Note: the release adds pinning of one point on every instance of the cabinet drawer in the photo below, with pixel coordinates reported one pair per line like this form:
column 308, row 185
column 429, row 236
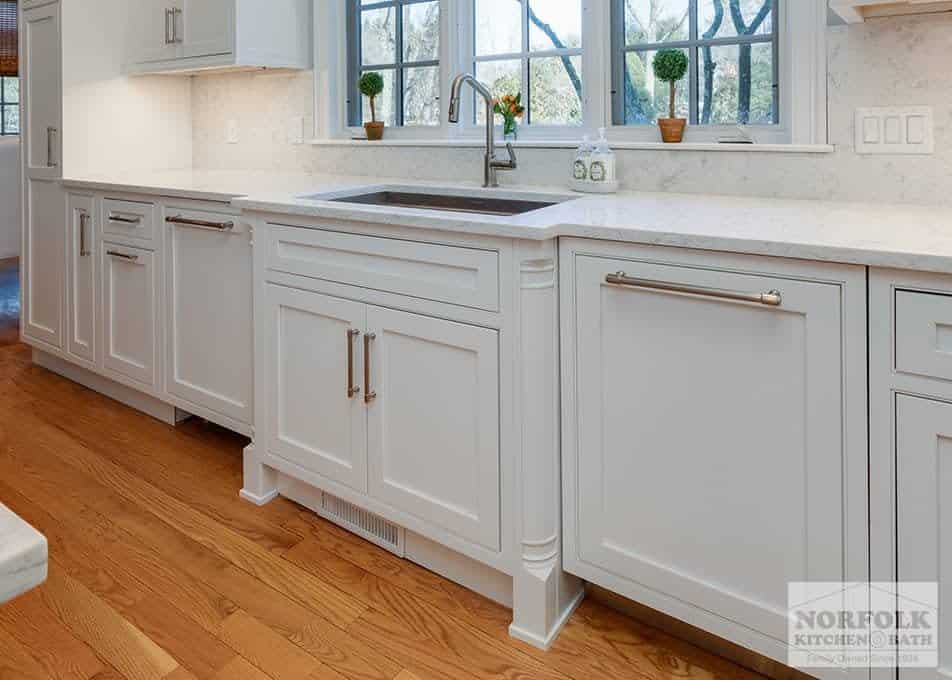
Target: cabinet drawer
column 924, row 334
column 461, row 276
column 129, row 218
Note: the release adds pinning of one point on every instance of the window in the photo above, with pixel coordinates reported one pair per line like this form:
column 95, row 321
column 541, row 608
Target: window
column 9, row 106
column 532, row 47
column 400, row 39
column 732, row 46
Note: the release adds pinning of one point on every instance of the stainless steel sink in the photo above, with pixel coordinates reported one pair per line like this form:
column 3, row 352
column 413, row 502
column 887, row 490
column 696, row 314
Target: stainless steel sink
column 444, row 200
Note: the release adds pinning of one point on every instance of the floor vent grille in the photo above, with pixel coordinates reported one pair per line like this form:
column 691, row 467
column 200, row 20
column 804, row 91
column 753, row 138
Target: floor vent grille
column 366, row 524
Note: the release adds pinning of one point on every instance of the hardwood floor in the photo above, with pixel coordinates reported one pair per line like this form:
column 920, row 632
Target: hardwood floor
column 159, row 571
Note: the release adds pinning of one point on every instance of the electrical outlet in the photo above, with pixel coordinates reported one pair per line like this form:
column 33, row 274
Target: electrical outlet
column 231, row 131
column 895, row 130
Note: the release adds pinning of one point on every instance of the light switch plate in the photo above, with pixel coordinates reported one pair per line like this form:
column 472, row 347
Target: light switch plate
column 895, row 130
column 231, row 131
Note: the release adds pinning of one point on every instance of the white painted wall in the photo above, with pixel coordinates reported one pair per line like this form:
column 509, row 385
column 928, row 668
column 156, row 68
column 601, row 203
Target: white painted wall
column 113, row 123
column 9, row 197
column 886, row 62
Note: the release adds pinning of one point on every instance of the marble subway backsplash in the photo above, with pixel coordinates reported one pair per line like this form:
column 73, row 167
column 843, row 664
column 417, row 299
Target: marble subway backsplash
column 888, row 62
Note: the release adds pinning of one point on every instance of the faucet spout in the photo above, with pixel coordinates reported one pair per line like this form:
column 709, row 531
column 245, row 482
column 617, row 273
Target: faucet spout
column 491, row 165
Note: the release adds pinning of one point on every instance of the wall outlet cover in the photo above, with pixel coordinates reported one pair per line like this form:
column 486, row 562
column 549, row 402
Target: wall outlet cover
column 895, row 130
column 231, row 131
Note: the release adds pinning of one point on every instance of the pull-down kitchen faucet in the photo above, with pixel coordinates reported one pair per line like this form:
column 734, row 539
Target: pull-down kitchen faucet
column 491, row 164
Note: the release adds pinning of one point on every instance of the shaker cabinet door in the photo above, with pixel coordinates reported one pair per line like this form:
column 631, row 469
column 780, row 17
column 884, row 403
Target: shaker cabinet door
column 81, row 279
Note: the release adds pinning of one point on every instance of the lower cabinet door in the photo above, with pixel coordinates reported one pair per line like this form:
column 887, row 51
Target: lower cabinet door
column 316, row 416
column 209, row 331
column 433, row 426
column 130, row 289
column 81, row 283
column 923, row 514
column 44, row 262
column 707, row 464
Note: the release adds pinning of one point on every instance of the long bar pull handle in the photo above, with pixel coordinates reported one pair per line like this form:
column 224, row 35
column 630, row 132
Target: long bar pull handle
column 124, row 220
column 771, row 298
column 369, row 395
column 83, row 220
column 221, row 226
column 352, row 389
column 176, row 12
column 122, row 256
column 169, row 26
column 50, row 135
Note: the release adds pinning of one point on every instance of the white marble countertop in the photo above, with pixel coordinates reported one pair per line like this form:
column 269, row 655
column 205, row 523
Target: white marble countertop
column 887, row 235
column 23, row 556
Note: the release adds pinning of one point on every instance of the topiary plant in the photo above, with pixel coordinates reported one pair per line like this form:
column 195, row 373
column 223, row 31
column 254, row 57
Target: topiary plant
column 670, row 67
column 371, row 85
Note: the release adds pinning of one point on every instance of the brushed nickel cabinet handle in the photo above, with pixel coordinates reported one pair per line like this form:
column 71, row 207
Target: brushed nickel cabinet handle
column 771, row 298
column 176, row 38
column 169, row 26
column 369, row 395
column 122, row 256
column 352, row 389
column 83, row 220
column 50, row 134
column 113, row 217
column 220, row 226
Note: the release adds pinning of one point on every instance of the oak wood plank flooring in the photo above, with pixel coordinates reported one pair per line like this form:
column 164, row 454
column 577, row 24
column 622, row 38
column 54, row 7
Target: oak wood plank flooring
column 159, row 571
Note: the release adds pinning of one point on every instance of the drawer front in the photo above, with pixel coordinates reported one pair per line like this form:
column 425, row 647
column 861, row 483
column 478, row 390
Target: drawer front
column 130, row 296
column 463, row 276
column 924, row 334
column 129, row 218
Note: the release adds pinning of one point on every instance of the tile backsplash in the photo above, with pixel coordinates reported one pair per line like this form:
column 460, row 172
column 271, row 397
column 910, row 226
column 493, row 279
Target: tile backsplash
column 887, row 62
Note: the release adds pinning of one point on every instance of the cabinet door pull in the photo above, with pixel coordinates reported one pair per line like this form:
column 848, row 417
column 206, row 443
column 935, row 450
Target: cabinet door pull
column 83, row 220
column 771, row 298
column 176, row 38
column 123, row 256
column 220, row 226
column 50, row 135
column 369, row 395
column 124, row 220
column 352, row 389
column 169, row 26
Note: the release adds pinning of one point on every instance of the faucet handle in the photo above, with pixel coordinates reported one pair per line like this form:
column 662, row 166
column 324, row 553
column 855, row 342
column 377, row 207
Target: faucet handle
column 511, row 164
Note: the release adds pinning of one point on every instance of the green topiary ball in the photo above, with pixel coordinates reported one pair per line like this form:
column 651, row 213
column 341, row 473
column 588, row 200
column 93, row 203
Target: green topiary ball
column 370, row 84
column 670, row 65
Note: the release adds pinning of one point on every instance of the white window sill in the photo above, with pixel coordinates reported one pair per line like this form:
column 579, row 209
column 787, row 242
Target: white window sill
column 570, row 144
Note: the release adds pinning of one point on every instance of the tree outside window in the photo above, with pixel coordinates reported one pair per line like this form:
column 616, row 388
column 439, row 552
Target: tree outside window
column 9, row 105
column 732, row 48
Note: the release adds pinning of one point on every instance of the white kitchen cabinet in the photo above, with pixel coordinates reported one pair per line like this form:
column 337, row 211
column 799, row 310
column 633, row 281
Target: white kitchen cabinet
column 209, row 334
column 130, row 307
column 924, row 521
column 316, row 413
column 82, row 279
column 400, row 406
column 44, row 262
column 41, row 91
column 857, row 11
column 714, row 432
column 191, row 36
column 433, row 435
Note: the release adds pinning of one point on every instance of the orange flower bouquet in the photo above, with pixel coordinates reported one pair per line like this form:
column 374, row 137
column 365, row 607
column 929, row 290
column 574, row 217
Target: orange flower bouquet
column 510, row 107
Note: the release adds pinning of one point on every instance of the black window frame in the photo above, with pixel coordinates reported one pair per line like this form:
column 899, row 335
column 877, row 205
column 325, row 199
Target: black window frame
column 5, row 106
column 692, row 45
column 355, row 67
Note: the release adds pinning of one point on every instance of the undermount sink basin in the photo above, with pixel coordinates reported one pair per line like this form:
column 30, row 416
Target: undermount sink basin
column 444, row 200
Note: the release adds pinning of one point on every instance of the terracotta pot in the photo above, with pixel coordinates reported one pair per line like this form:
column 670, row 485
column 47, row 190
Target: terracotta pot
column 672, row 129
column 374, row 131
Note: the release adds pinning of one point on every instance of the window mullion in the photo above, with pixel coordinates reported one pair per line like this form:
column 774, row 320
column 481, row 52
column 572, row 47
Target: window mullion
column 693, row 55
column 398, row 74
column 526, row 90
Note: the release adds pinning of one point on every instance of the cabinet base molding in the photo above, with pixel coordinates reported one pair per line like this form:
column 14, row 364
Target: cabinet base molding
column 439, row 559
column 125, row 395
column 697, row 637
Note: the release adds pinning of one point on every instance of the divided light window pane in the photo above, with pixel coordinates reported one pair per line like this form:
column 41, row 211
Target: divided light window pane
column 533, row 48
column 400, row 39
column 732, row 48
column 9, row 105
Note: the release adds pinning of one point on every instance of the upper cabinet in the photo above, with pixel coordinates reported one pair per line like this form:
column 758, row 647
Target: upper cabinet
column 190, row 36
column 41, row 91
column 857, row 11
